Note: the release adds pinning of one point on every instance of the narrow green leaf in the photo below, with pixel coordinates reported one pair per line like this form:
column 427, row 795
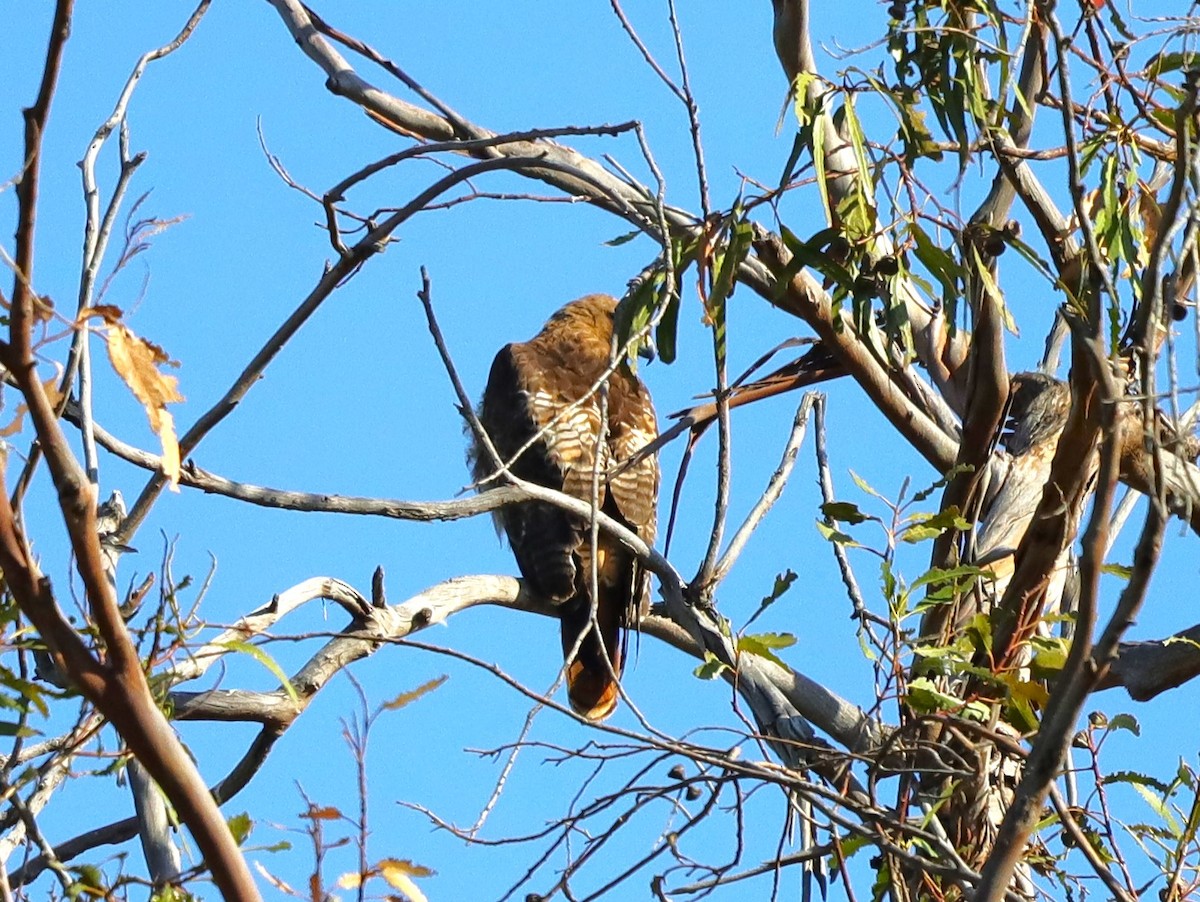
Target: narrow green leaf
column 865, row 486
column 266, row 661
column 666, row 334
column 818, row 155
column 623, row 239
column 964, row 574
column 1160, row 807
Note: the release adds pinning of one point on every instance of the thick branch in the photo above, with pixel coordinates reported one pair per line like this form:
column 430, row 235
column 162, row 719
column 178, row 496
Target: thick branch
column 1146, row 669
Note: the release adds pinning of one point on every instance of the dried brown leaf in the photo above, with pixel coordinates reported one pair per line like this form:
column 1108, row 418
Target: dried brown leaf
column 53, row 395
column 137, row 362
column 407, row 698
column 275, row 881
column 110, row 313
column 327, row 813
column 352, row 880
column 399, row 873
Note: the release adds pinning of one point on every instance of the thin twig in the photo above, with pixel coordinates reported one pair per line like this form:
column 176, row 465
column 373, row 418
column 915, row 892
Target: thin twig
column 772, row 492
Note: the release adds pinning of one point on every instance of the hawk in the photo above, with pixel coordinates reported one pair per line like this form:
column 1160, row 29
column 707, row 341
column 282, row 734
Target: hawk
column 542, row 406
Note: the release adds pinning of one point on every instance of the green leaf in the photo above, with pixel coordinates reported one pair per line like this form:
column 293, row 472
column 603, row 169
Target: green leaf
column 34, row 694
column 993, row 292
column 711, row 668
column 923, row 696
column 762, row 645
column 814, row 253
column 1125, row 722
column 888, row 580
column 623, row 239
column 1135, row 778
column 171, row 893
column 635, row 312
column 15, row 729
column 789, row 168
column 979, row 632
column 240, row 826
column 950, row 474
column 854, row 842
column 915, row 534
column 89, row 883
column 1049, row 655
column 818, row 155
column 1160, row 807
column 266, row 661
column 1162, row 63
column 770, row 640
column 939, row 263
column 836, row 535
column 1121, row 571
column 962, row 576
column 783, row 582
column 665, row 336
column 1020, row 713
column 926, row 527
column 741, row 237
column 865, row 486
column 844, row 512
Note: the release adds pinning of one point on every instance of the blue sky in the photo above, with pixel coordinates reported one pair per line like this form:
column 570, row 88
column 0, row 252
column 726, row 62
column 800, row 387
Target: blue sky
column 359, row 403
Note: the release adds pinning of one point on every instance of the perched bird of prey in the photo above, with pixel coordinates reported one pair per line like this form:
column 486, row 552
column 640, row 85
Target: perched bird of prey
column 545, row 416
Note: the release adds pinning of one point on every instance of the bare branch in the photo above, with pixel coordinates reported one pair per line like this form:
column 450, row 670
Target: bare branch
column 770, row 494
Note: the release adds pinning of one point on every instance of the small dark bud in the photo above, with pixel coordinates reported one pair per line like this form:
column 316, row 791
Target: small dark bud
column 887, row 266
column 839, row 248
column 693, row 793
column 897, row 10
column 677, row 772
column 995, row 245
column 1178, row 312
column 864, row 286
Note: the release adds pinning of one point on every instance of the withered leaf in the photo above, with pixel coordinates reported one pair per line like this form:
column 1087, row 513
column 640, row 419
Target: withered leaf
column 137, row 362
column 53, row 396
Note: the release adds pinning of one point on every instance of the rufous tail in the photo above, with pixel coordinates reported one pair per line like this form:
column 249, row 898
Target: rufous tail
column 591, row 684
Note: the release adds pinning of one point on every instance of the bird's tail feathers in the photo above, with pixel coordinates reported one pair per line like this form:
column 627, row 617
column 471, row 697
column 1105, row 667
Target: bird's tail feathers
column 593, row 669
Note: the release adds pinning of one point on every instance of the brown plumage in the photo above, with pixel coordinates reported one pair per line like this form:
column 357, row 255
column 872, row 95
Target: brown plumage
column 535, row 386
